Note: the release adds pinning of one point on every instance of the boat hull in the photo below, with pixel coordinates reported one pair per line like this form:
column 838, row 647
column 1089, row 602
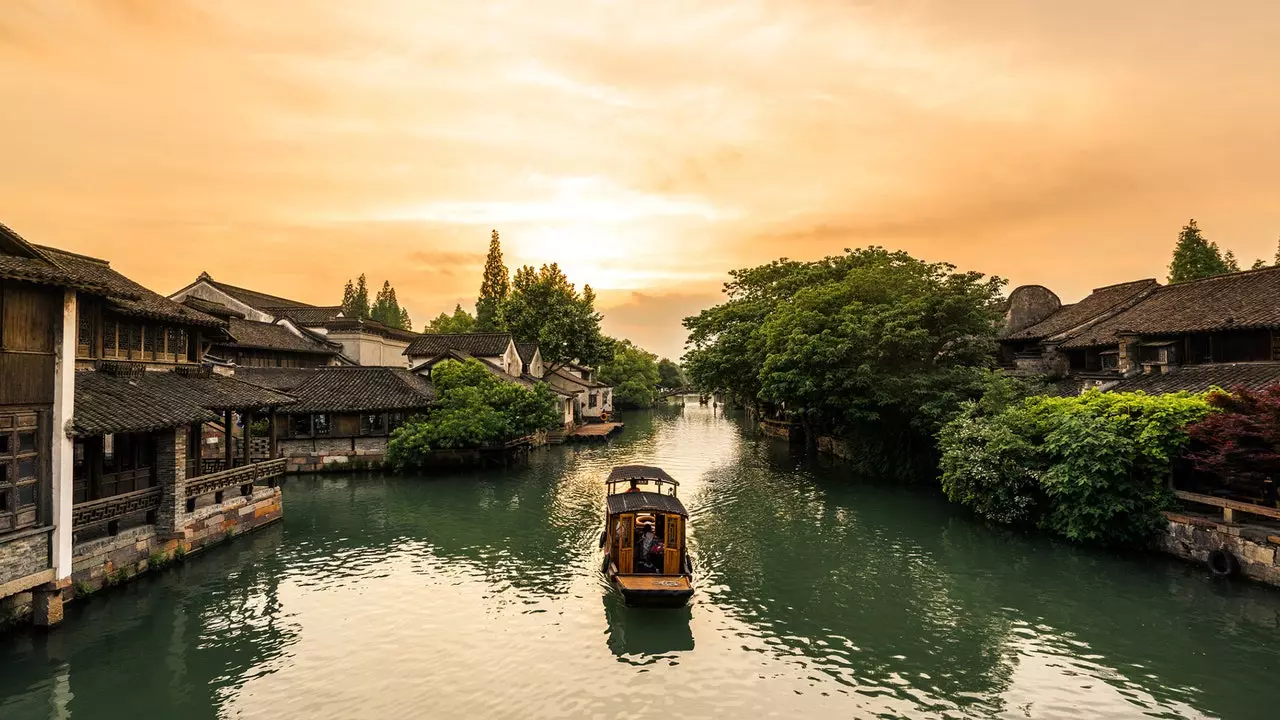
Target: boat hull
column 670, row 591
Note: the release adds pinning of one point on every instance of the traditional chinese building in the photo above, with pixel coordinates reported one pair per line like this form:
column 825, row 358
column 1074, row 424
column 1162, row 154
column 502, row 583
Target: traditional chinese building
column 101, row 396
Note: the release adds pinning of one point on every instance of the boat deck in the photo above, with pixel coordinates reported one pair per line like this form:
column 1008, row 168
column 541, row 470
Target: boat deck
column 653, row 583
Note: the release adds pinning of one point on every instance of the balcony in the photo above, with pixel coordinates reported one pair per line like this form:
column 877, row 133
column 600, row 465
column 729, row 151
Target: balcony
column 243, row 477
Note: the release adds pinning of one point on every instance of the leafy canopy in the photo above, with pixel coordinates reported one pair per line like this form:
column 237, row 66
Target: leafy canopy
column 460, row 321
column 473, row 408
column 633, row 374
column 873, row 344
column 1092, row 468
column 1194, row 257
column 1239, row 444
column 670, row 375
column 494, row 289
column 544, row 307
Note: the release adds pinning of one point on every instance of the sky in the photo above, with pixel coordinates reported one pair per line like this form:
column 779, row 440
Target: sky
column 647, row 147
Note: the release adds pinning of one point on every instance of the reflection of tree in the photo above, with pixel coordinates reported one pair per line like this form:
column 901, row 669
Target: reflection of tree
column 841, row 578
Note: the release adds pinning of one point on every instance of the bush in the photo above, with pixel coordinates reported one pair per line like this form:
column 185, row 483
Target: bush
column 1239, row 446
column 473, row 408
column 1091, row 468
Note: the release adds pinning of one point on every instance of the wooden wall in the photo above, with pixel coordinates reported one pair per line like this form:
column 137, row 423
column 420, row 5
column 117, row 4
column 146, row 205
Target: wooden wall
column 30, row 316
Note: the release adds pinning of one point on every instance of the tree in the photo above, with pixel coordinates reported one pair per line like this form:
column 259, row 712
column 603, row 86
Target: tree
column 355, row 299
column 1195, row 258
column 544, row 307
column 872, row 345
column 460, row 321
column 1277, row 252
column 670, row 376
column 494, row 289
column 1239, row 445
column 632, row 372
column 473, row 408
column 1229, row 259
column 1258, row 264
column 386, row 309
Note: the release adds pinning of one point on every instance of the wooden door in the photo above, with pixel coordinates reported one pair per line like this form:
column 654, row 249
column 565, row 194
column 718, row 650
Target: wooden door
column 626, row 542
column 671, row 546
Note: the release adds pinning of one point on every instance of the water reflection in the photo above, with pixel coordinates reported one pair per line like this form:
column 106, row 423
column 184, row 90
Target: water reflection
column 819, row 594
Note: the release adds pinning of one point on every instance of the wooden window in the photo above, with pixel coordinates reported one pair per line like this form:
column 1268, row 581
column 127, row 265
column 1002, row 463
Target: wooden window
column 177, row 344
column 149, row 337
column 20, row 465
column 84, row 331
column 373, row 424
column 300, row 425
column 591, row 400
column 130, row 340
column 110, row 338
column 1109, row 360
column 320, row 424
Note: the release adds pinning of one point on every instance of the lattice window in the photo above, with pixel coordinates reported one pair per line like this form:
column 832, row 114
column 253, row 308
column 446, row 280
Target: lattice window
column 109, row 340
column 149, row 337
column 130, row 336
column 84, row 331
column 20, row 444
column 178, row 343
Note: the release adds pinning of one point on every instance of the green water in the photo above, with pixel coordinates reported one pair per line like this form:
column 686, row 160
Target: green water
column 819, row 595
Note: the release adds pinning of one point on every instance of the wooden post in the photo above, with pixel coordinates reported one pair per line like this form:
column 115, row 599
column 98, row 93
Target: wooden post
column 227, row 454
column 247, row 417
column 272, row 443
column 1228, row 515
column 93, row 448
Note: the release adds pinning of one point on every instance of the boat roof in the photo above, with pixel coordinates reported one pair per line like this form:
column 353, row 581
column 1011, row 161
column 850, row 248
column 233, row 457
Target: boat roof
column 642, row 501
column 622, row 473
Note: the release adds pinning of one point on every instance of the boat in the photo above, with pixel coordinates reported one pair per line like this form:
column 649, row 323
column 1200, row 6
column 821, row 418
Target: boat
column 645, row 556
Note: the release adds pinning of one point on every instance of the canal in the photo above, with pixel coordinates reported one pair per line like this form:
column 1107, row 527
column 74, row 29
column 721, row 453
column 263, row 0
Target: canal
column 820, row 595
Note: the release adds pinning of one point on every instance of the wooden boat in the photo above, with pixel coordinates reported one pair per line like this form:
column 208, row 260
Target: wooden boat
column 645, row 556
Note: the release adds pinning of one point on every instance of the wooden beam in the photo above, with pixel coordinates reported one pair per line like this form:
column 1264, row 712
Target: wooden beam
column 1260, row 510
column 247, row 417
column 272, row 442
column 227, row 454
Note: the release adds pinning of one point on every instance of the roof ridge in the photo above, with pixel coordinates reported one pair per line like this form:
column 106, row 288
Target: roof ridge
column 1258, row 271
column 1128, row 282
column 60, row 251
column 295, row 303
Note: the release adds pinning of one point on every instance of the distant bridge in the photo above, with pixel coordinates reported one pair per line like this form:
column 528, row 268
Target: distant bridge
column 678, row 391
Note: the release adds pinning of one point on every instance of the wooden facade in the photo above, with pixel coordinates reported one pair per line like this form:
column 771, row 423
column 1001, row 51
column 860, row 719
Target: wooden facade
column 105, row 335
column 30, row 315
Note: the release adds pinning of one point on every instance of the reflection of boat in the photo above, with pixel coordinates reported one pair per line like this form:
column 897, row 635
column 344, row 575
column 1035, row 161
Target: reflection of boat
column 643, row 637
column 643, row 539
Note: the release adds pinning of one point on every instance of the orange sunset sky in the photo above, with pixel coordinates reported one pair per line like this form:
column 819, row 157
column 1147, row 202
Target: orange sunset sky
column 647, row 147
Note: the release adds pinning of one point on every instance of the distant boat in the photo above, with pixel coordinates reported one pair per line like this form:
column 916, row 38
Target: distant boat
column 645, row 556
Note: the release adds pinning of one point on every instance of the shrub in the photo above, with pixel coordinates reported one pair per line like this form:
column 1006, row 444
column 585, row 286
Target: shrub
column 1091, row 468
column 1240, row 444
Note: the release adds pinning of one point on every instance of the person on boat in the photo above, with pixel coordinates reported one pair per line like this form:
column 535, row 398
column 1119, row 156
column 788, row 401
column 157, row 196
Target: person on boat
column 635, row 487
column 650, row 546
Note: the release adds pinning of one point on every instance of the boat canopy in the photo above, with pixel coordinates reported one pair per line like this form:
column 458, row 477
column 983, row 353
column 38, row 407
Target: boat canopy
column 624, row 473
column 645, row 502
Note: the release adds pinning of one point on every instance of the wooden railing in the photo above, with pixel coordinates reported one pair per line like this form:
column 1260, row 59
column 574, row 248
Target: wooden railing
column 244, row 477
column 116, row 507
column 1229, row 507
column 209, row 466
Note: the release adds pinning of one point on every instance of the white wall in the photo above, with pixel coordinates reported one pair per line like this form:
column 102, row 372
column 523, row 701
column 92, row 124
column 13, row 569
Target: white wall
column 372, row 350
column 205, row 291
column 64, row 400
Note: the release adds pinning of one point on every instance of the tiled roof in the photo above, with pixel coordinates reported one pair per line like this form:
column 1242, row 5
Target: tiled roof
column 126, row 296
column 211, row 308
column 1199, row 378
column 362, row 388
column 478, row 344
column 284, row 379
column 562, row 373
column 253, row 298
column 1099, row 303
column 527, row 351
column 305, row 315
column 1247, row 300
column 344, row 324
column 20, row 260
column 134, row 400
column 269, row 336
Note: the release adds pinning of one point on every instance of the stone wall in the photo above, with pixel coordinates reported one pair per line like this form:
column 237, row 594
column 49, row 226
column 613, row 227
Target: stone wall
column 781, row 429
column 835, row 447
column 319, row 455
column 24, row 561
column 1194, row 537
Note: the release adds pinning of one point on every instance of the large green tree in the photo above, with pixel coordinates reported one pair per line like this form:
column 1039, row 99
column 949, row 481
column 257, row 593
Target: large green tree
column 544, row 307
column 386, row 309
column 1194, row 257
column 460, row 321
column 873, row 345
column 670, row 376
column 494, row 289
column 633, row 374
column 355, row 299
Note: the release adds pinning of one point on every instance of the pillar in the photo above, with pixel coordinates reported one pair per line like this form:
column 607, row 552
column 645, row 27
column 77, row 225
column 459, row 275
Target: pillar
column 62, row 450
column 247, row 417
column 46, row 603
column 171, row 474
column 227, row 454
column 273, row 442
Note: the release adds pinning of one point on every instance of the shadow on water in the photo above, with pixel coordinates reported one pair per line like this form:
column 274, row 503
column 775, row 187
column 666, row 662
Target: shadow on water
column 643, row 636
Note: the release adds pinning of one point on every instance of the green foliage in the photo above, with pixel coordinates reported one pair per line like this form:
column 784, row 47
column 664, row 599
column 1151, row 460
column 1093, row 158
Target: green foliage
column 460, row 321
column 670, row 375
column 83, row 589
column 355, row 299
column 1091, row 468
column 386, row 309
column 874, row 345
column 494, row 289
column 1258, row 264
column 544, row 307
column 474, row 408
column 1194, row 257
column 633, row 374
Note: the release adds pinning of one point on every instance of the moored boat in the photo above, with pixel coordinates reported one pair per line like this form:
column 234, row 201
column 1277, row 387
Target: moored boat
column 645, row 556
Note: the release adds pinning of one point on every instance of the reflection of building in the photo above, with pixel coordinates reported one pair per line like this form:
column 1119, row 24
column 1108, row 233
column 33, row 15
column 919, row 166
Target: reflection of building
column 1223, row 331
column 360, row 342
column 101, row 395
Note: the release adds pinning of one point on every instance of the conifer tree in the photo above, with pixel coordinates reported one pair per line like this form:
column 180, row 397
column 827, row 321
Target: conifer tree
column 1278, row 252
column 355, row 299
column 1195, row 258
column 494, row 289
